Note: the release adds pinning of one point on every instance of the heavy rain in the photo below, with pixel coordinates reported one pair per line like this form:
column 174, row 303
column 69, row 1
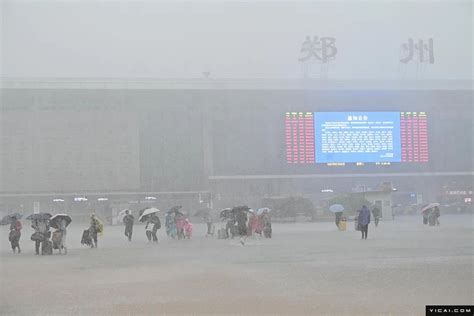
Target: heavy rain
column 236, row 157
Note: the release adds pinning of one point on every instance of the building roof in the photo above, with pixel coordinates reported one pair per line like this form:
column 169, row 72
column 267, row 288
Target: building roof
column 231, row 84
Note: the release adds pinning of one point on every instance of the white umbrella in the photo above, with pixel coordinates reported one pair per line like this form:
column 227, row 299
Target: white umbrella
column 429, row 206
column 336, row 208
column 149, row 211
column 263, row 210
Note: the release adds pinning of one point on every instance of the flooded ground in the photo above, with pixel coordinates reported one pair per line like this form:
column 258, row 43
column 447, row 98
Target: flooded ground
column 307, row 268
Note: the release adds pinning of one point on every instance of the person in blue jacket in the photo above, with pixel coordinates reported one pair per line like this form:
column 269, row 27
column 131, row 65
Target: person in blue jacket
column 364, row 221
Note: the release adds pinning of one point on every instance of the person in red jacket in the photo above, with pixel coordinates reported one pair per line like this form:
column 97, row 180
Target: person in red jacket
column 15, row 234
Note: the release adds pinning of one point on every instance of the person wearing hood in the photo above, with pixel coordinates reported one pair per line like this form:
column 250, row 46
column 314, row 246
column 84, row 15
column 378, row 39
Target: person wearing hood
column 364, row 221
column 95, row 228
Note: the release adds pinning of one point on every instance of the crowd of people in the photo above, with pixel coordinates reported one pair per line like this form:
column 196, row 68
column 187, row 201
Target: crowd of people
column 45, row 240
column 243, row 222
column 240, row 221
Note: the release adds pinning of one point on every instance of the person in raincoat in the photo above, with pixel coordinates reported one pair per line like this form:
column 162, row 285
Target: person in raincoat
column 128, row 221
column 170, row 226
column 364, row 221
column 180, row 222
column 188, row 228
column 253, row 223
column 15, row 234
column 95, row 227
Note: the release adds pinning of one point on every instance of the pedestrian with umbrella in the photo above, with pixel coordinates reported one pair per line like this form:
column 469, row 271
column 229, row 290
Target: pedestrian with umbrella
column 60, row 222
column 152, row 223
column 128, row 221
column 430, row 213
column 40, row 224
column 241, row 219
column 15, row 230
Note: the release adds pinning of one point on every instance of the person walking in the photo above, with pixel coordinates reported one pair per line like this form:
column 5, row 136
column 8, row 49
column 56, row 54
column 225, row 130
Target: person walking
column 436, row 214
column 156, row 225
column 241, row 218
column 95, row 228
column 364, row 221
column 41, row 228
column 208, row 220
column 128, row 221
column 62, row 224
column 338, row 218
column 376, row 214
column 15, row 234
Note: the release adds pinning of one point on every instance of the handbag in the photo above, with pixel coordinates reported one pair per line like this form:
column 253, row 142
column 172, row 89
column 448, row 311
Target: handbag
column 37, row 237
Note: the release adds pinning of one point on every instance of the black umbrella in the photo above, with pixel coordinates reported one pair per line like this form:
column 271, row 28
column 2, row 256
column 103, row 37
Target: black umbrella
column 39, row 217
column 54, row 221
column 242, row 208
column 226, row 213
column 7, row 220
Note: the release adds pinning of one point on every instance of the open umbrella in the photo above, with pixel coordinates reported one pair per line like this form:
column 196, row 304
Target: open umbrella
column 429, row 206
column 7, row 220
column 39, row 216
column 241, row 208
column 262, row 210
column 54, row 221
column 336, row 208
column 226, row 213
column 147, row 212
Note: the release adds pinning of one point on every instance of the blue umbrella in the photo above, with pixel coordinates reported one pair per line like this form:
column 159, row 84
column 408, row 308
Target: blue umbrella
column 336, row 208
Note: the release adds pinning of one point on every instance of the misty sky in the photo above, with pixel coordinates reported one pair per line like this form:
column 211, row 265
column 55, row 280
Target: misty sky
column 231, row 40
